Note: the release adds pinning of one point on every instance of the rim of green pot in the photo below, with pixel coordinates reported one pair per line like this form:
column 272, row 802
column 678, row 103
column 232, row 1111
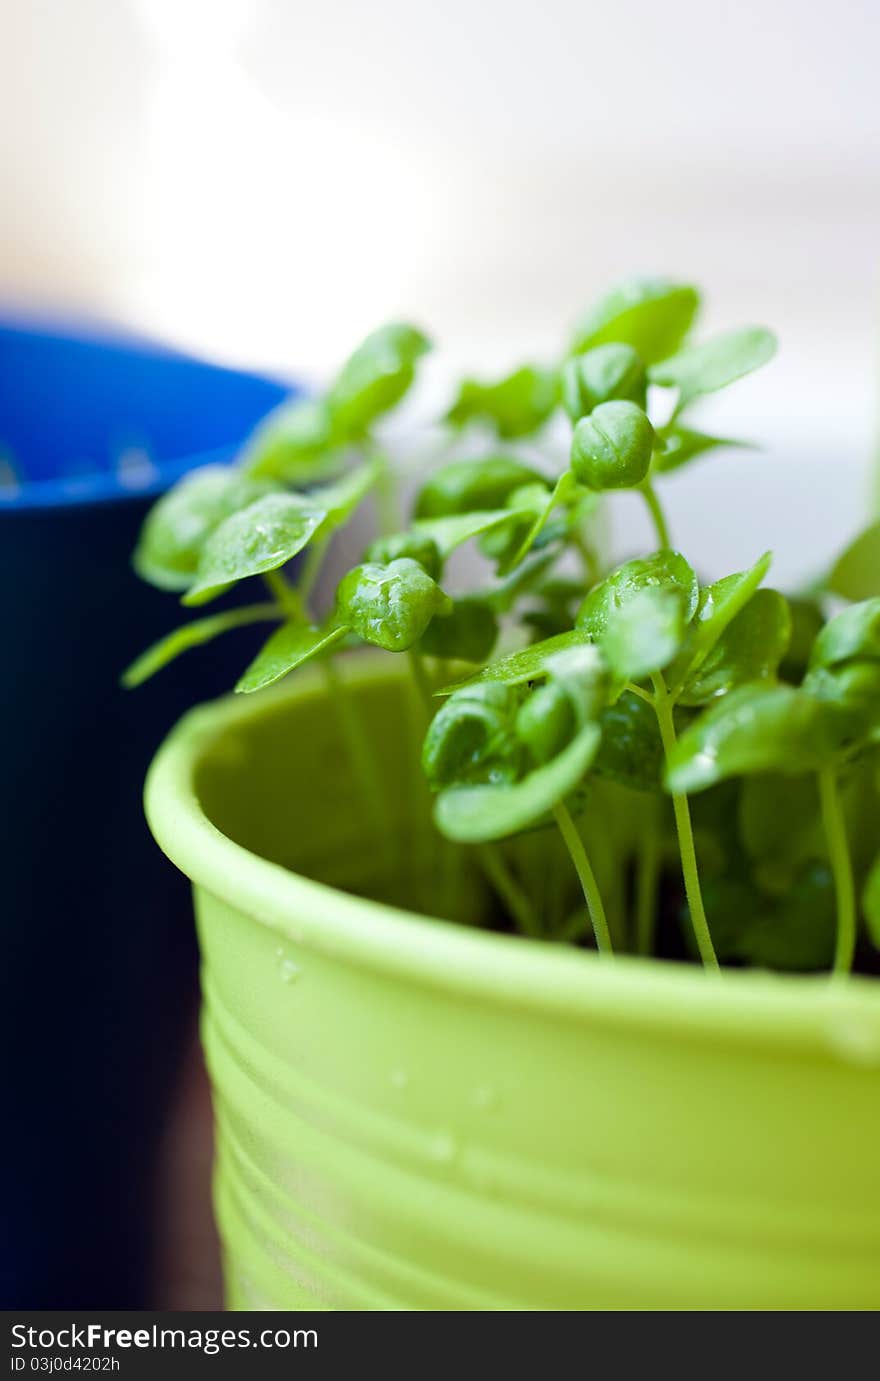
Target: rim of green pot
column 840, row 1016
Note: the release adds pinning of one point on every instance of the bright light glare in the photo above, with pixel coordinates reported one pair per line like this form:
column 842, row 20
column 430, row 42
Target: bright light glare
column 257, row 227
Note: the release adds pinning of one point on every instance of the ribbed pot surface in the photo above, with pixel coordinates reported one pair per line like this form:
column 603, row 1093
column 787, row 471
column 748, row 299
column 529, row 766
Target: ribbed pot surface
column 417, row 1115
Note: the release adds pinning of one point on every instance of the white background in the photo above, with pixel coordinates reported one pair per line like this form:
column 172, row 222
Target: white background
column 263, row 180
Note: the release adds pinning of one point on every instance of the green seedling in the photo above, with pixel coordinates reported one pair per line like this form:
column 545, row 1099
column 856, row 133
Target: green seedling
column 714, row 746
column 517, row 405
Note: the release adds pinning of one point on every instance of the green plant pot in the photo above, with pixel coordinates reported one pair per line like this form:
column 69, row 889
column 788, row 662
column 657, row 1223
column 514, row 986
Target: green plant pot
column 419, row 1115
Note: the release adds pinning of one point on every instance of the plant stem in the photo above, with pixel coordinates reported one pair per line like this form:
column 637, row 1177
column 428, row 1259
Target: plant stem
column 834, row 826
column 421, row 680
column 657, row 515
column 575, row 846
column 647, row 878
column 495, row 867
column 681, row 809
column 637, row 690
column 311, row 569
column 285, row 594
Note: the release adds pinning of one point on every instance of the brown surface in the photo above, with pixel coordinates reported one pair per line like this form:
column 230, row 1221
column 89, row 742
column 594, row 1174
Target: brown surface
column 188, row 1269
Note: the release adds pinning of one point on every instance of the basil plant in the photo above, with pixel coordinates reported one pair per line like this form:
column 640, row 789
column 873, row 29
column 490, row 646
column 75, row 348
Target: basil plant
column 626, row 756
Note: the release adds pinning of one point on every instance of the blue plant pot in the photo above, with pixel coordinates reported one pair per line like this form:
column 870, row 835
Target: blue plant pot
column 98, row 977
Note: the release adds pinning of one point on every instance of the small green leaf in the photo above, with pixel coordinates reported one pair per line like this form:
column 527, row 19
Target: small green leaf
column 294, row 444
column 453, row 530
column 682, row 444
column 564, row 492
column 516, row 405
column 854, row 633
column 749, row 649
column 504, row 593
column 390, row 606
column 582, row 674
column 631, row 752
column 653, row 315
column 192, row 634
column 607, row 372
column 528, row 664
column 531, row 521
column 255, row 540
column 472, row 814
column 375, row 378
column 180, row 522
column 472, row 738
column 546, row 721
column 266, row 535
column 718, row 605
column 701, row 369
column 665, row 570
column 807, row 621
column 756, row 728
column 644, row 634
column 418, row 546
column 288, row 647
column 612, row 448
column 466, row 486
column 572, row 698
column 468, row 633
column 871, row 903
column 854, row 688
column 856, row 572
